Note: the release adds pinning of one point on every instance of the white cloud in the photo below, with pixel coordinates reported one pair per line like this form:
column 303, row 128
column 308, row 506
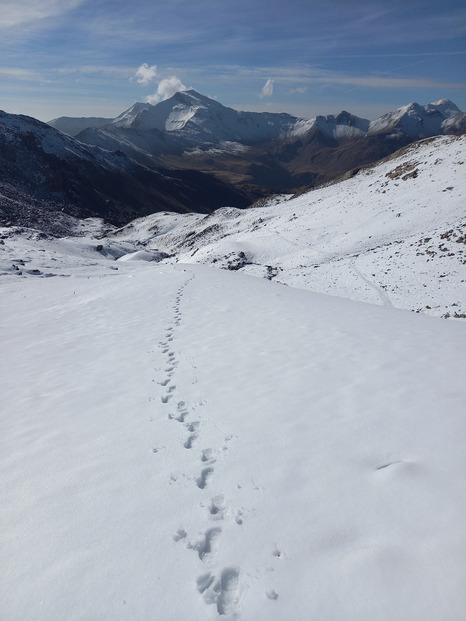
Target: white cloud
column 145, row 74
column 19, row 74
column 166, row 89
column 267, row 89
column 300, row 90
column 16, row 12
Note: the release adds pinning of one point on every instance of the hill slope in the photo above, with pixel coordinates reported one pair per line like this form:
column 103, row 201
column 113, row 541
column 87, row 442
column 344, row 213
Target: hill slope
column 61, row 174
column 393, row 233
column 180, row 442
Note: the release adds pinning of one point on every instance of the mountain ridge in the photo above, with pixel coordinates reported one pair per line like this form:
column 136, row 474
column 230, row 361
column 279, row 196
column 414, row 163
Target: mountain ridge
column 62, row 174
column 174, row 113
column 271, row 151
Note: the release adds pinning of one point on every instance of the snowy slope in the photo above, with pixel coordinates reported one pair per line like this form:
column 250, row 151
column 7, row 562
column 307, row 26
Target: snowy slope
column 344, row 126
column 193, row 119
column 415, row 121
column 393, row 234
column 49, row 139
column 179, row 442
column 182, row 442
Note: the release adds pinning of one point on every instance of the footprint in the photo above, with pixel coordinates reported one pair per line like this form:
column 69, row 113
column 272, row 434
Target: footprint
column 203, row 480
column 218, row 507
column 193, row 427
column 204, row 582
column 271, row 594
column 182, row 411
column 166, row 398
column 209, row 546
column 224, row 592
column 180, row 534
column 207, row 455
column 165, row 382
column 228, row 598
column 189, row 442
column 171, row 388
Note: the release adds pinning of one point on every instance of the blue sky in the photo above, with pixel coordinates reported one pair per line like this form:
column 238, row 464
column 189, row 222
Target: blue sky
column 305, row 57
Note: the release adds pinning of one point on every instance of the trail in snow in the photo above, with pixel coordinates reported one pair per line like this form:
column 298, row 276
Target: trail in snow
column 220, row 588
column 179, row 442
column 382, row 295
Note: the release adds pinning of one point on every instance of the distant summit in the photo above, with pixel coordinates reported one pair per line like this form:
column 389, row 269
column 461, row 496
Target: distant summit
column 260, row 152
column 191, row 153
column 415, row 121
column 200, row 120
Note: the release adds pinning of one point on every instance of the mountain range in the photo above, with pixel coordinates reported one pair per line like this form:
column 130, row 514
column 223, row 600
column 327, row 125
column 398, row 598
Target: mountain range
column 44, row 172
column 248, row 415
column 188, row 153
column 260, row 151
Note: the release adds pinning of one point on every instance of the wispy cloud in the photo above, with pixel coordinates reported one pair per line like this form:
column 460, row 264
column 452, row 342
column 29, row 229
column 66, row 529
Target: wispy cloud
column 145, row 74
column 166, row 89
column 20, row 74
column 120, row 71
column 17, row 12
column 267, row 89
column 299, row 78
column 299, row 90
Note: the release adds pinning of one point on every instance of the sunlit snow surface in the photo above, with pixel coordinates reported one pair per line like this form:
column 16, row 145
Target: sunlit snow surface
column 393, row 234
column 180, row 442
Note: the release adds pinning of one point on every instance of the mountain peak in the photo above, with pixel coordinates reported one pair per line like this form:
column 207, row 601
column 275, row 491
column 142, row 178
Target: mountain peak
column 445, row 107
column 416, row 121
column 129, row 116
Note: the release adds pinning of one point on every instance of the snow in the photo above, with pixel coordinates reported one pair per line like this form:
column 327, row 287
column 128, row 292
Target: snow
column 185, row 442
column 344, row 126
column 180, row 442
column 417, row 121
column 392, row 234
column 191, row 120
column 128, row 117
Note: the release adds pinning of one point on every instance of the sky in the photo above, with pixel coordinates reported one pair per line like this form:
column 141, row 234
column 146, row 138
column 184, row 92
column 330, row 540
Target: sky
column 304, row 57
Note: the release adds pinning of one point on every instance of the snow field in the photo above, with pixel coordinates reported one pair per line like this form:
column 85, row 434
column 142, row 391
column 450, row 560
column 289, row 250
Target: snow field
column 186, row 443
column 391, row 235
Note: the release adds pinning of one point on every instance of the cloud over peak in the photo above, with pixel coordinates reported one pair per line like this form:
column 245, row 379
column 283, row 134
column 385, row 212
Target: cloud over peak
column 166, row 89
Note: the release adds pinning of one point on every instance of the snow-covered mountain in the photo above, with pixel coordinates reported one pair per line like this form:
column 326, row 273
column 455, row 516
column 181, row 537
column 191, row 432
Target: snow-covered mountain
column 344, row 126
column 207, row 121
column 415, row 121
column 391, row 234
column 278, row 152
column 44, row 172
column 184, row 442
